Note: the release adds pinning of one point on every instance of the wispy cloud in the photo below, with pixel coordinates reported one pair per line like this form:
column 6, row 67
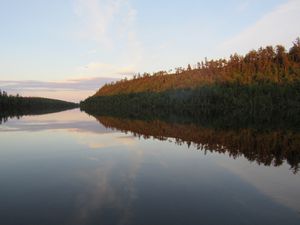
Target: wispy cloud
column 72, row 84
column 106, row 68
column 71, row 90
column 279, row 26
column 241, row 7
column 96, row 17
column 110, row 24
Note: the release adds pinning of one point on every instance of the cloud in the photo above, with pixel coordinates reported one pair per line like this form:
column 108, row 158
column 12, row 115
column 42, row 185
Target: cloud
column 106, row 21
column 92, row 51
column 97, row 66
column 110, row 24
column 279, row 26
column 243, row 6
column 96, row 17
column 71, row 90
column 71, row 84
column 109, row 69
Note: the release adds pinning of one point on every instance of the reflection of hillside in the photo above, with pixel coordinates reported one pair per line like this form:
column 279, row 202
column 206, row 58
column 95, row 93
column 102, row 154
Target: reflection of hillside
column 5, row 115
column 266, row 147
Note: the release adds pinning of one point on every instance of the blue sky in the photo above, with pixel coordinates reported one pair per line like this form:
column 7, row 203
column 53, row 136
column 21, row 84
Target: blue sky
column 81, row 44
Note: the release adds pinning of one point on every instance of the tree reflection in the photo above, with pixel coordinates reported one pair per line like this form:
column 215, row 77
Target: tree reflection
column 5, row 115
column 267, row 147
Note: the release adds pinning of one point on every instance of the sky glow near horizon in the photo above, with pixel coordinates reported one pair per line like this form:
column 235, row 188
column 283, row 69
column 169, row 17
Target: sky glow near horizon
column 68, row 49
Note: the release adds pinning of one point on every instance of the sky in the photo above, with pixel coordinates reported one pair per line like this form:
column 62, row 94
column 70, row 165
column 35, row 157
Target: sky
column 68, row 49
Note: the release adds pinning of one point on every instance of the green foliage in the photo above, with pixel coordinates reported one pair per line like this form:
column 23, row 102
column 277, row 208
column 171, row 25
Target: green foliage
column 230, row 102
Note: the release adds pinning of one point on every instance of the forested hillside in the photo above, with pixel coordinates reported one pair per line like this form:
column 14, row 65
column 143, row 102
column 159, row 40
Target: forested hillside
column 262, row 86
column 266, row 65
column 11, row 105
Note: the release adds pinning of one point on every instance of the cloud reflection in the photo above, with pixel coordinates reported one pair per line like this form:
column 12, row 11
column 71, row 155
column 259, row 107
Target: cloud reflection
column 71, row 120
column 110, row 189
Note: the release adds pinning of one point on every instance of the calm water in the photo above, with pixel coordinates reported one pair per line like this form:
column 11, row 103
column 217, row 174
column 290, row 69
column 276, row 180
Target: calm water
column 71, row 168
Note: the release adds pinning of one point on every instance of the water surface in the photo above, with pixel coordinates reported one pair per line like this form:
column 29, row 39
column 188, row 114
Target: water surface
column 72, row 168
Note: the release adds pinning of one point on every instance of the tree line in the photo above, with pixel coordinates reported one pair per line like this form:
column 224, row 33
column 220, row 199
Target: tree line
column 247, row 105
column 265, row 65
column 233, row 103
column 16, row 105
column 262, row 86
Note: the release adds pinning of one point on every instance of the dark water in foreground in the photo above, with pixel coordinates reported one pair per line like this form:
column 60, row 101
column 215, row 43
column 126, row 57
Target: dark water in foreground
column 70, row 168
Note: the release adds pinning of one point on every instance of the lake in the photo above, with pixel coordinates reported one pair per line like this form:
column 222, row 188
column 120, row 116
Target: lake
column 72, row 168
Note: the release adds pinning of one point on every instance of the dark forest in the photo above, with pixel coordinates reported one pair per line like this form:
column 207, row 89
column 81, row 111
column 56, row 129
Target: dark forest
column 11, row 106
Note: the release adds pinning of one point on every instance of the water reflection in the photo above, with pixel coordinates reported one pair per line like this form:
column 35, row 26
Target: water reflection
column 71, row 120
column 66, row 168
column 5, row 115
column 110, row 192
column 267, row 147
